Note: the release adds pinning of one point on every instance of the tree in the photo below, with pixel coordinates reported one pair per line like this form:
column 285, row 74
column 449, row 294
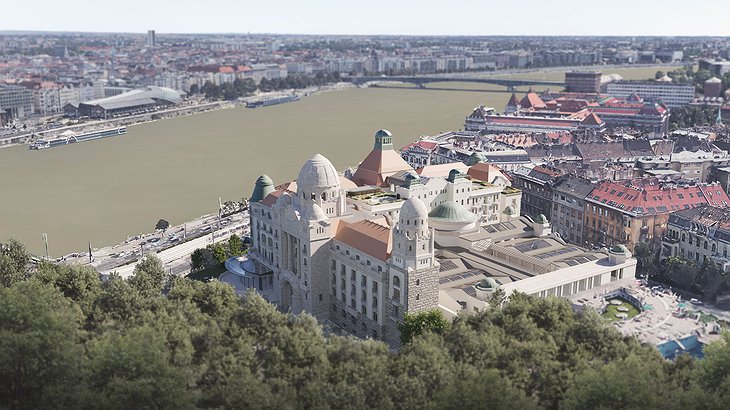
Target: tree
column 13, row 262
column 235, row 245
column 198, row 259
column 415, row 324
column 162, row 225
column 149, row 275
column 41, row 354
column 135, row 366
column 220, row 253
column 645, row 258
column 78, row 283
column 194, row 89
column 659, row 74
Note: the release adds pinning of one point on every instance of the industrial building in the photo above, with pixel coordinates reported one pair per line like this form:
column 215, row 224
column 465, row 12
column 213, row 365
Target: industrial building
column 137, row 101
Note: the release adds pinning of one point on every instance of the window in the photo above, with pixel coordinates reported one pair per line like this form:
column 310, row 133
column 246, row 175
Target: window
column 418, row 282
column 396, row 281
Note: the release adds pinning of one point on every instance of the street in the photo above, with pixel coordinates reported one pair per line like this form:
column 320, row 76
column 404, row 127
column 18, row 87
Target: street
column 170, row 245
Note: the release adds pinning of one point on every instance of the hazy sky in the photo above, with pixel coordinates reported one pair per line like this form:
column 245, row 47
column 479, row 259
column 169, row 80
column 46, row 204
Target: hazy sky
column 450, row 17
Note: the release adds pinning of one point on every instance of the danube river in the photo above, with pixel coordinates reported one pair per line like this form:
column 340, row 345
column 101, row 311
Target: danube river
column 103, row 191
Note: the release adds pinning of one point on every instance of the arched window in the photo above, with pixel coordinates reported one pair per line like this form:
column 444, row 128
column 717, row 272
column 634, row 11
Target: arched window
column 683, row 237
column 714, row 248
column 396, row 281
column 705, row 244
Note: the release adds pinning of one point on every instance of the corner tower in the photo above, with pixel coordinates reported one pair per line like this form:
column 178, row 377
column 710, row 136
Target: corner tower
column 319, row 182
column 413, row 270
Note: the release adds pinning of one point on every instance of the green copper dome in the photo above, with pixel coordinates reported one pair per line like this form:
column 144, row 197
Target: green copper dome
column 619, row 249
column 488, row 283
column 454, row 174
column 541, row 219
column 451, row 211
column 509, row 210
column 476, row 157
column 264, row 186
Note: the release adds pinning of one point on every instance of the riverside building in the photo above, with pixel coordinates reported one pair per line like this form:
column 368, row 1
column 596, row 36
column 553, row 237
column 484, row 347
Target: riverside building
column 360, row 253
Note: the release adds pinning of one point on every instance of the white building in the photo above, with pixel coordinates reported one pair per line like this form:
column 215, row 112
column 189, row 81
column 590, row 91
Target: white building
column 673, row 95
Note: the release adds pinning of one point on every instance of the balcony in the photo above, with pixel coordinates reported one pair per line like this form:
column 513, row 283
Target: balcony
column 667, row 239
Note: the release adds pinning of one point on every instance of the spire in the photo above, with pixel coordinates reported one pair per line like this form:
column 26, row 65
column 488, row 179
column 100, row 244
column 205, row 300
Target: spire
column 718, row 121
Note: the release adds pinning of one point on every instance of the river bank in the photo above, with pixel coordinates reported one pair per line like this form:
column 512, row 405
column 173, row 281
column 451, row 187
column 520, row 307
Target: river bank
column 190, row 107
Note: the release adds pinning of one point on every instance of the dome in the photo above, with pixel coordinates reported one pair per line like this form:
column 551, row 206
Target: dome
column 383, row 133
column 314, row 212
column 477, row 157
column 318, row 173
column 619, row 249
column 451, row 211
column 509, row 210
column 488, row 283
column 454, row 174
column 541, row 219
column 713, row 80
column 264, row 186
column 413, row 208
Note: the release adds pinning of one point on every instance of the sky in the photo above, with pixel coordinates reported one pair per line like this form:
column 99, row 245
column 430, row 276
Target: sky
column 405, row 17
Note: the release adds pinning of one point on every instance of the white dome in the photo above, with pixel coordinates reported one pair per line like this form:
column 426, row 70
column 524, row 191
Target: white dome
column 314, row 212
column 414, row 208
column 318, row 173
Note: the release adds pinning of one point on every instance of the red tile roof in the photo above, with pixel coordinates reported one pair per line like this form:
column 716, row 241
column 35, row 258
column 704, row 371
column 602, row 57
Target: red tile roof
column 270, row 199
column 378, row 166
column 424, row 145
column 592, row 119
column 648, row 197
column 532, row 100
column 369, row 237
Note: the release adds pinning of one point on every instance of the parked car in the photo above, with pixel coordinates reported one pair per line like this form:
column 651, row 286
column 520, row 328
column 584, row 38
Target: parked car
column 695, row 301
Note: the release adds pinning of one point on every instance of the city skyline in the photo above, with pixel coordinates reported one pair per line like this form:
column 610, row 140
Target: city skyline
column 378, row 18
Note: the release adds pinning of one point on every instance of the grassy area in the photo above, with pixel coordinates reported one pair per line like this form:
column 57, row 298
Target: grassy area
column 208, row 273
column 612, row 310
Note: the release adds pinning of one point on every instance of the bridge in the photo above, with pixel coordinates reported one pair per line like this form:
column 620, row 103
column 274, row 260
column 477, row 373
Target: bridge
column 421, row 81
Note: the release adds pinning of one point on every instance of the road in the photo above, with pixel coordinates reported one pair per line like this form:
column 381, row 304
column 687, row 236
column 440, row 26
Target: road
column 177, row 258
column 170, row 245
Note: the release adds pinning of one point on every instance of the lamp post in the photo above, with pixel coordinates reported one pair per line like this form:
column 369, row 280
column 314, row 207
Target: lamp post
column 45, row 241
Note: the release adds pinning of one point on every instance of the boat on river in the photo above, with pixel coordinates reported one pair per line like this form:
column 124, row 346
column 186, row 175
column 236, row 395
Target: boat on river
column 70, row 137
column 265, row 102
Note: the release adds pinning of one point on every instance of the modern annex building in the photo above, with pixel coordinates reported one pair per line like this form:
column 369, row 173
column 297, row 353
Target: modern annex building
column 359, row 256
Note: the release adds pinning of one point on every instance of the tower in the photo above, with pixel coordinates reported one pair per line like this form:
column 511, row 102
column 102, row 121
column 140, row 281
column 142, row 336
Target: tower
column 151, row 40
column 513, row 105
column 413, row 270
column 319, row 182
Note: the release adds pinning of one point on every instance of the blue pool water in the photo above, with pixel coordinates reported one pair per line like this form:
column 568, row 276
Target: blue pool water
column 692, row 346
